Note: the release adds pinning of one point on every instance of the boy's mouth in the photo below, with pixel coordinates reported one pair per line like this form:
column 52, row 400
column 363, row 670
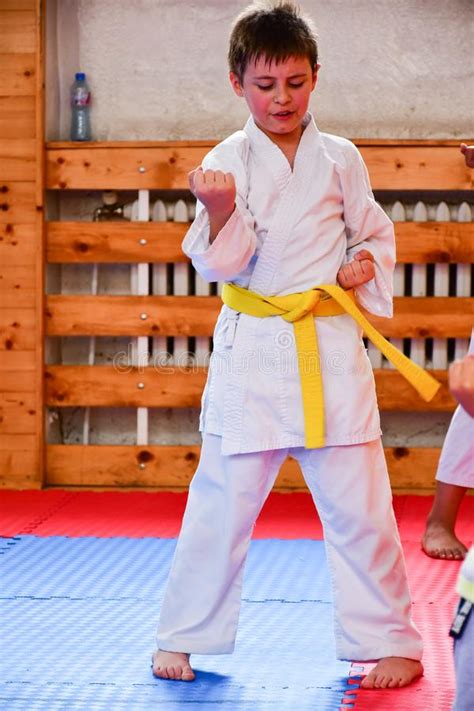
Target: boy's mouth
column 283, row 115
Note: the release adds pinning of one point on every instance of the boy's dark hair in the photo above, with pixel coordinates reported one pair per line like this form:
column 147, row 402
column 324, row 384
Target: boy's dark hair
column 274, row 30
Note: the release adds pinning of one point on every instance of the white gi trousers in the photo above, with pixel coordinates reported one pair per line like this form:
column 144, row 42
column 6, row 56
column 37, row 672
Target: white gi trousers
column 351, row 490
column 456, row 464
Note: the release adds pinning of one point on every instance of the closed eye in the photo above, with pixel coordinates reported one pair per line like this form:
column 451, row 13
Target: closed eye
column 270, row 86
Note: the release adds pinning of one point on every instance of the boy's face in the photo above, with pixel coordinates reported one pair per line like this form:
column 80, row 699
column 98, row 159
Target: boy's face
column 277, row 94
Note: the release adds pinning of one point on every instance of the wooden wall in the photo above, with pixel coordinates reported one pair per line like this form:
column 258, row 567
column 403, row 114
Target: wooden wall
column 24, row 158
column 21, row 244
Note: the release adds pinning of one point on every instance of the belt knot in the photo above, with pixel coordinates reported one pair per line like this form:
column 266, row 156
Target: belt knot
column 306, row 305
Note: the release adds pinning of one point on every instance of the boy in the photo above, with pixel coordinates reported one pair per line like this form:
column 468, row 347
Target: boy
column 282, row 208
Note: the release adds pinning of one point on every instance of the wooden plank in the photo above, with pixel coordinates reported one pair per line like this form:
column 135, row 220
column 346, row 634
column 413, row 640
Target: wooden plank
column 428, row 317
column 412, row 467
column 113, row 242
column 17, row 329
column 177, row 386
column 381, row 142
column 395, row 394
column 19, row 379
column 417, row 168
column 435, row 242
column 173, row 467
column 100, row 166
column 119, row 385
column 17, row 413
column 19, row 470
column 76, row 465
column 422, row 317
column 100, row 242
column 17, row 286
column 17, row 203
column 17, row 117
column 18, row 4
column 17, row 77
column 120, row 168
column 17, row 159
column 17, row 244
column 18, row 362
column 17, row 442
column 122, row 315
column 40, row 261
column 17, row 31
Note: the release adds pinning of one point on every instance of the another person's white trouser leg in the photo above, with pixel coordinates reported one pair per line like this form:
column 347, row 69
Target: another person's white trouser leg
column 351, row 490
column 201, row 606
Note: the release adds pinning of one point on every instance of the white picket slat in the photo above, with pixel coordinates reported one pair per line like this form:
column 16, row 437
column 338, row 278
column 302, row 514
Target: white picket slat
column 160, row 286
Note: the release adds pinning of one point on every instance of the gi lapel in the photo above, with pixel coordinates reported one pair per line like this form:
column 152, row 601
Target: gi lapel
column 294, row 187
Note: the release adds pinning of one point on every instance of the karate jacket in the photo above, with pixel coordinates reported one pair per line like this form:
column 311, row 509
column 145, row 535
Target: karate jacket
column 291, row 230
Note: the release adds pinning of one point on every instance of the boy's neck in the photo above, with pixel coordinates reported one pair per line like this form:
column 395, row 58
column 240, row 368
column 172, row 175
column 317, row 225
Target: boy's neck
column 287, row 142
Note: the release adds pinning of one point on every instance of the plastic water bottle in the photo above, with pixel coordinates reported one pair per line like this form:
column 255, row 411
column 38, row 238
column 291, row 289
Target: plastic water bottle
column 80, row 107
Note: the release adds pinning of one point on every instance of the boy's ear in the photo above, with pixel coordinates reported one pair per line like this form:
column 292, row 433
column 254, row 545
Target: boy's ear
column 315, row 75
column 235, row 83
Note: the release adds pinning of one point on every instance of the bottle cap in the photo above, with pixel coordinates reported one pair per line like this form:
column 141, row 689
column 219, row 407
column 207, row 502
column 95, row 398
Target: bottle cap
column 80, row 76
column 109, row 197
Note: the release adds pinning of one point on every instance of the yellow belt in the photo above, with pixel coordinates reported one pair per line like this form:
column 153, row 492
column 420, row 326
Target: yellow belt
column 300, row 309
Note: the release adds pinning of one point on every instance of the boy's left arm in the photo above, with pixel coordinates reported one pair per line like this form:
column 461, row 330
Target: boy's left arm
column 368, row 230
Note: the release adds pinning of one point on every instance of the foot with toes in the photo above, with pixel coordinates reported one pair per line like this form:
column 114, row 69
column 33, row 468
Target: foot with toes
column 392, row 673
column 172, row 665
column 440, row 542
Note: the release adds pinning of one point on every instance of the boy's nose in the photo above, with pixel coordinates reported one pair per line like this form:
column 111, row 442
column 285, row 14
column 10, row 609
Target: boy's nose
column 281, row 96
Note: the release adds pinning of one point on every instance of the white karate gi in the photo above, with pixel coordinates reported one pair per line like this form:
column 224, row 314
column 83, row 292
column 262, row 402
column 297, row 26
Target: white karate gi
column 290, row 231
column 456, row 464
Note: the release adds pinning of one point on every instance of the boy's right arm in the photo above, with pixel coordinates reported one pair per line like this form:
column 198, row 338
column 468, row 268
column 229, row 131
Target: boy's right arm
column 216, row 190
column 222, row 240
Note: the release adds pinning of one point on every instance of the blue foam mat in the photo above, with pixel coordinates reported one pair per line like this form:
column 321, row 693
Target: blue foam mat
column 82, row 641
column 121, row 568
column 284, row 652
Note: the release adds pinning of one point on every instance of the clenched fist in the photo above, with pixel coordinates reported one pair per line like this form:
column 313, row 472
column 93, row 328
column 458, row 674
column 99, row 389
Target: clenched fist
column 215, row 189
column 358, row 271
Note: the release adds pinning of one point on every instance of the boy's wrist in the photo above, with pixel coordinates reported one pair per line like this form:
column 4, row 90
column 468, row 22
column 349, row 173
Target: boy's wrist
column 217, row 220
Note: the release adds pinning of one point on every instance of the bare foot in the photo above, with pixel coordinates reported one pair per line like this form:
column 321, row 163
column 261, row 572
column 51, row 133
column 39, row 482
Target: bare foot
column 172, row 665
column 440, row 542
column 392, row 672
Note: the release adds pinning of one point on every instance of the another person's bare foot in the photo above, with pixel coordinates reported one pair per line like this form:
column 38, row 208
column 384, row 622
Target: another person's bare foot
column 439, row 542
column 172, row 665
column 392, row 672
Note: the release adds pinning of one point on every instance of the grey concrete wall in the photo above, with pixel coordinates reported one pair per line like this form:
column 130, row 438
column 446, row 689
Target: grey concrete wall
column 157, row 68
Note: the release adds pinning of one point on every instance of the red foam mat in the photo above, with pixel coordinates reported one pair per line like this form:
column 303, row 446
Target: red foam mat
column 413, row 511
column 22, row 511
column 432, row 583
column 138, row 514
column 436, row 689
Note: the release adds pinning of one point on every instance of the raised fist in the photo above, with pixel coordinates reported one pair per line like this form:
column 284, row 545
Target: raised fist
column 215, row 189
column 360, row 270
